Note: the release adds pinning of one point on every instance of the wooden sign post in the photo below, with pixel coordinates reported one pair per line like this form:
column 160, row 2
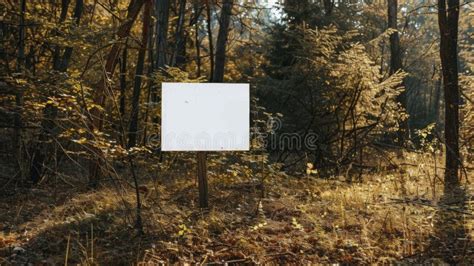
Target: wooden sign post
column 202, row 179
column 205, row 117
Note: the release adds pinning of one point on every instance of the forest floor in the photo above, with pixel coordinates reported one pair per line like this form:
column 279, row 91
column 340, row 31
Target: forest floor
column 391, row 217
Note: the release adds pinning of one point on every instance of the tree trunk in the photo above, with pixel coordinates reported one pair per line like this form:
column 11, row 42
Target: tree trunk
column 133, row 129
column 151, row 83
column 396, row 65
column 179, row 53
column 221, row 43
column 448, row 17
column 68, row 51
column 197, row 43
column 328, row 6
column 395, row 55
column 123, row 80
column 209, row 35
column 57, row 49
column 437, row 104
column 96, row 115
column 218, row 77
column 20, row 68
column 162, row 15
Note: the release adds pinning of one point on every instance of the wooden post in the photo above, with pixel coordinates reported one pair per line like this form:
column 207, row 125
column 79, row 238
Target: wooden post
column 202, row 179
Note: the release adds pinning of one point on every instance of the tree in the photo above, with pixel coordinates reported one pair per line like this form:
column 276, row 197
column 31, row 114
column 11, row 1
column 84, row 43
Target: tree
column 57, row 49
column 20, row 67
column 328, row 6
column 123, row 79
column 209, row 35
column 197, row 9
column 218, row 76
column 396, row 63
column 68, row 51
column 222, row 41
column 325, row 82
column 162, row 8
column 179, row 53
column 132, row 137
column 133, row 128
column 96, row 114
column 448, row 17
column 50, row 112
column 395, row 54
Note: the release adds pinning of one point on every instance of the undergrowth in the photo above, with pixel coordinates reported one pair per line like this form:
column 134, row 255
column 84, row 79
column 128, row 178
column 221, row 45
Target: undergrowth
column 390, row 217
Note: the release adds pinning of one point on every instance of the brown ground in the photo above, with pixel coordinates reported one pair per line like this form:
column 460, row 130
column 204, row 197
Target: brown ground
column 394, row 217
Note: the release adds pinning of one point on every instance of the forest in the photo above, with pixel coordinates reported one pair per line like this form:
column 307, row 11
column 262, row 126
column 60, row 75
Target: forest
column 361, row 142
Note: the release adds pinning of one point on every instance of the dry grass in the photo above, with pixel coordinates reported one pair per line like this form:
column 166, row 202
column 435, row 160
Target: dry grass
column 299, row 220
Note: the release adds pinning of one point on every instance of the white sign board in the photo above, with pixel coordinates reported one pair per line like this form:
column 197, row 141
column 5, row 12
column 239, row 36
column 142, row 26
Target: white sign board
column 205, row 117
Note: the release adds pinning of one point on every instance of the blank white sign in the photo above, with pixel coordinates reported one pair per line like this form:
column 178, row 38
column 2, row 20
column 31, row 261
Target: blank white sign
column 205, row 117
